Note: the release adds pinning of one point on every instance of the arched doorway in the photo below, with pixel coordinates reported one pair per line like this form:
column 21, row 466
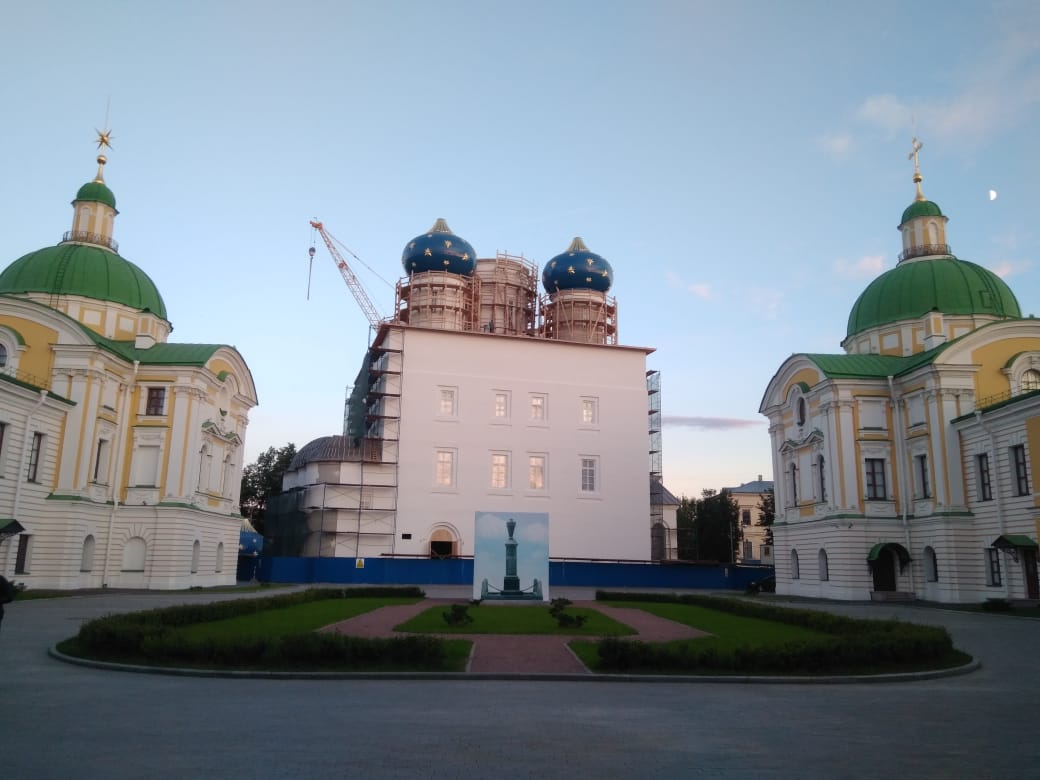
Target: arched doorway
column 882, row 560
column 442, row 544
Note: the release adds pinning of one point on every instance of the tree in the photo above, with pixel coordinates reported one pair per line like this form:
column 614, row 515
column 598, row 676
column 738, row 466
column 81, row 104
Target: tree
column 766, row 514
column 263, row 479
column 708, row 527
column 685, row 516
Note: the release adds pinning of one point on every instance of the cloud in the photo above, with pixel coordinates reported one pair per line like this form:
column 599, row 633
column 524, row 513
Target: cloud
column 708, row 423
column 866, row 266
column 766, row 303
column 701, row 290
column 1006, row 268
column 837, row 145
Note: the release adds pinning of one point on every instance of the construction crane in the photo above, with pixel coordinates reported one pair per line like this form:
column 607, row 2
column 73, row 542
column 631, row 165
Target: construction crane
column 360, row 295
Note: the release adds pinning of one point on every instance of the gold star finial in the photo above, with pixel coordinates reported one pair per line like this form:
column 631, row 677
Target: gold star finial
column 104, row 141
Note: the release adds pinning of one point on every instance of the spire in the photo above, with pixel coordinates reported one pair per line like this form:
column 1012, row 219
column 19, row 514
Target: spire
column 918, row 178
column 577, row 245
column 95, row 205
column 104, row 141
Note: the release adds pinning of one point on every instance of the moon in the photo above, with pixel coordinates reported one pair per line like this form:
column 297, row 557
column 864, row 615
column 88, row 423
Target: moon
column 992, row 194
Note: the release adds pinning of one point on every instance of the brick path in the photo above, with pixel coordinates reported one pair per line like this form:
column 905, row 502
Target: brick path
column 519, row 654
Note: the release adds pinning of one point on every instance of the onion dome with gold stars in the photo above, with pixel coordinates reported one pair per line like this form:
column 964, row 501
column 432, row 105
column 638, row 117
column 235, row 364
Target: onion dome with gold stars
column 577, row 268
column 438, row 249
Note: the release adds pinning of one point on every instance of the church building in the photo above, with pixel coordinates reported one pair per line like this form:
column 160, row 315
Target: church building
column 120, row 451
column 906, row 467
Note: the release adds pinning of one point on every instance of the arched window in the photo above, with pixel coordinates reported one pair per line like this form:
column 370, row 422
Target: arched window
column 195, row 557
column 134, row 554
column 821, row 559
column 795, row 570
column 1031, row 379
column 931, row 565
column 220, row 558
column 821, row 477
column 792, row 471
column 3, row 356
column 801, row 411
column 86, row 562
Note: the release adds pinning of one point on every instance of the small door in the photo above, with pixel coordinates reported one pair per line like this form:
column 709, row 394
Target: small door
column 1029, row 571
column 885, row 571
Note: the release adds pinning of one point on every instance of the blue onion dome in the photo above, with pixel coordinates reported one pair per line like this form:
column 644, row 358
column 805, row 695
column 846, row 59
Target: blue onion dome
column 577, row 268
column 439, row 250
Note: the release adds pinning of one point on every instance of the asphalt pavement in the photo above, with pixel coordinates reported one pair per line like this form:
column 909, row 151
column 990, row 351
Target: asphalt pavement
column 63, row 721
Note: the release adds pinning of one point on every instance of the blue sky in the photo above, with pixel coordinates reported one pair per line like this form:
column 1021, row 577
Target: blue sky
column 742, row 165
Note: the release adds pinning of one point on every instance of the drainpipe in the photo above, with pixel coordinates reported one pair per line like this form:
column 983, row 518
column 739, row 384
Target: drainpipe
column 995, row 487
column 897, row 424
column 18, row 481
column 117, row 479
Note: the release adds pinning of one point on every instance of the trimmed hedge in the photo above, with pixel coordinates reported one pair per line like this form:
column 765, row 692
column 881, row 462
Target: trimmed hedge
column 852, row 643
column 152, row 635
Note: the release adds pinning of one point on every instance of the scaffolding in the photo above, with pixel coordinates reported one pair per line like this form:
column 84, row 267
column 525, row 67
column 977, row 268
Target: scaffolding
column 508, row 295
column 438, row 299
column 584, row 316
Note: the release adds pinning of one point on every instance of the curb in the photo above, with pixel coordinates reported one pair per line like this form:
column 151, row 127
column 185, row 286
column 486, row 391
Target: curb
column 934, row 674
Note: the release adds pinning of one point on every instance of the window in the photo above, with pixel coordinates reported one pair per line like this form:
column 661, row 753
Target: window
column 993, row 566
column 155, row 406
column 538, row 407
column 501, row 405
column 23, row 559
column 86, row 561
column 446, row 402
column 3, row 356
column 219, row 567
column 536, row 472
column 1031, row 380
column 499, row 470
column 101, row 462
column 876, row 489
column 821, row 560
column 589, row 411
column 821, row 477
column 589, row 477
column 444, row 470
column 195, row 557
column 34, row 457
column 3, row 431
column 134, row 554
column 921, row 468
column 795, row 569
column 745, row 517
column 746, row 552
column 145, row 467
column 985, row 486
column 1018, row 457
column 801, row 411
column 931, row 565
column 792, row 472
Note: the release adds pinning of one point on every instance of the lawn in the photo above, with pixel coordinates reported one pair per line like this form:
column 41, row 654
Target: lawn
column 513, row 619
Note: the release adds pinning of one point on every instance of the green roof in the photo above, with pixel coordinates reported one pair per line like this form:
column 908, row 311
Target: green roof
column 82, row 269
column 98, row 192
column 942, row 284
column 164, row 354
column 920, row 208
column 1007, row 541
column 872, row 366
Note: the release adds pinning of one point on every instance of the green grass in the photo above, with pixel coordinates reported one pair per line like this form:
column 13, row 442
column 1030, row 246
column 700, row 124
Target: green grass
column 288, row 620
column 511, row 619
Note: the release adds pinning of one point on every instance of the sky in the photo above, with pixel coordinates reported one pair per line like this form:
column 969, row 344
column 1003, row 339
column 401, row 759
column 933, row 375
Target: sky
column 742, row 165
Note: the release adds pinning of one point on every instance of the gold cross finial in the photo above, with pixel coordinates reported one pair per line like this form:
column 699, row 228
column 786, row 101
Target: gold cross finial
column 916, row 147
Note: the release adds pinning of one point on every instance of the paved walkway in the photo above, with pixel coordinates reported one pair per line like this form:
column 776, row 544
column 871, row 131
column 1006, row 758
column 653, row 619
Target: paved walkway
column 519, row 654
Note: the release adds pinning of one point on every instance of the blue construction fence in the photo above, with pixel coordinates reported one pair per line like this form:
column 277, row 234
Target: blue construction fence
column 459, row 571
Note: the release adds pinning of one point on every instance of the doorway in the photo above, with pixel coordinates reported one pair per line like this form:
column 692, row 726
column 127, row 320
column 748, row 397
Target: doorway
column 884, row 569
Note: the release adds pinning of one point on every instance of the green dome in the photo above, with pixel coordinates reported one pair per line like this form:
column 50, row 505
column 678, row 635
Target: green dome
column 98, row 192
column 944, row 284
column 920, row 208
column 78, row 269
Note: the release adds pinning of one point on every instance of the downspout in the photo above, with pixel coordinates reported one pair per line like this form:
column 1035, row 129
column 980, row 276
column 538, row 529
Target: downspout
column 995, row 487
column 18, row 481
column 117, row 479
column 901, row 466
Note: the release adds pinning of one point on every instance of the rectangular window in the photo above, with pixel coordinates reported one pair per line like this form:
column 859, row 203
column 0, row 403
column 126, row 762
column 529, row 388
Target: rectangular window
column 985, row 486
column 101, row 462
column 746, row 553
column 501, row 405
column 3, row 430
column 876, row 489
column 993, row 566
column 590, row 411
column 536, row 472
column 444, row 469
column 921, row 467
column 589, row 475
column 745, row 517
column 1018, row 457
column 156, row 402
column 22, row 560
column 145, row 467
column 446, row 402
column 499, row 470
column 34, row 457
column 538, row 407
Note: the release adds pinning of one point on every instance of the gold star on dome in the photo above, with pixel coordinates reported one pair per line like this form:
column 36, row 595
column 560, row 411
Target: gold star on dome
column 428, row 253
column 447, row 244
column 604, row 274
column 552, row 264
column 588, row 278
column 589, row 261
column 104, row 138
column 570, row 269
column 465, row 255
column 447, row 262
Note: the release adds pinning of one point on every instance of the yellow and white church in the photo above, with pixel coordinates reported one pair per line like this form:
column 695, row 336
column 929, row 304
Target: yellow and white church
column 906, row 467
column 120, row 451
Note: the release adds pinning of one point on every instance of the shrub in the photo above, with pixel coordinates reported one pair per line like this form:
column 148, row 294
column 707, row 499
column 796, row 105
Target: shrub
column 564, row 619
column 458, row 616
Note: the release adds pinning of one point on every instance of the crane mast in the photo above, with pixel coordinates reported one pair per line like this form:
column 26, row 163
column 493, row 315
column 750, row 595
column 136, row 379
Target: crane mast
column 367, row 307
